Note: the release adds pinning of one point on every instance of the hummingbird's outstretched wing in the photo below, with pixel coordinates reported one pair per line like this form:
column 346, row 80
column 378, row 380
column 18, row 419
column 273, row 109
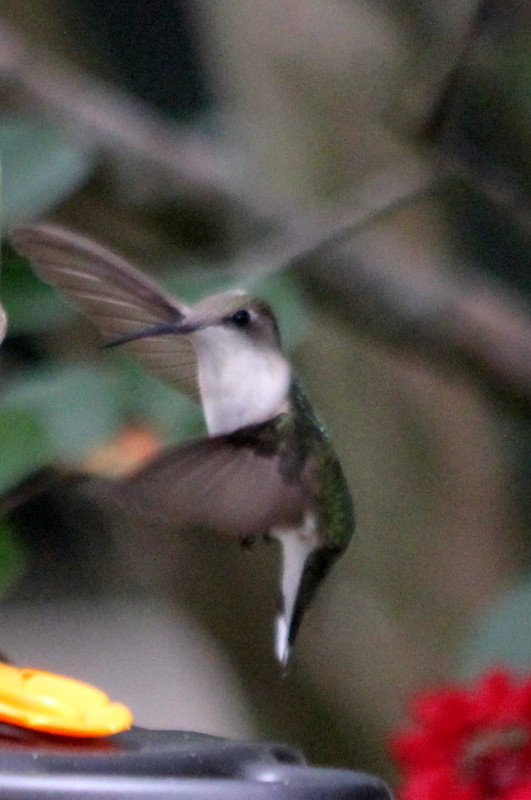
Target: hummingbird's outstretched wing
column 230, row 484
column 119, row 299
column 245, row 484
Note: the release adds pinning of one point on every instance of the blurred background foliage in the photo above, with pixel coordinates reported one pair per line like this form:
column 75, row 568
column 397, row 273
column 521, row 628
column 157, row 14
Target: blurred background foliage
column 366, row 166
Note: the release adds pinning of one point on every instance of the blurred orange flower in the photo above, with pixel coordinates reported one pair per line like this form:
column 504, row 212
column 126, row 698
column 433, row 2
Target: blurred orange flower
column 126, row 451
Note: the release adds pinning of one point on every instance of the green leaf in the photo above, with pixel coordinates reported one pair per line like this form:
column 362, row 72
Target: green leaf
column 24, row 444
column 31, row 304
column 78, row 406
column 502, row 635
column 40, row 168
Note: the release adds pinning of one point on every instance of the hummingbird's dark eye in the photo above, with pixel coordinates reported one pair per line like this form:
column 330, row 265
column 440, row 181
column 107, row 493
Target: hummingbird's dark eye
column 241, row 318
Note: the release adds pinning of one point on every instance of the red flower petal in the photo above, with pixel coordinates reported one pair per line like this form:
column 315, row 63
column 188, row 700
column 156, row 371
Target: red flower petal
column 448, row 709
column 469, row 744
column 522, row 793
column 439, row 784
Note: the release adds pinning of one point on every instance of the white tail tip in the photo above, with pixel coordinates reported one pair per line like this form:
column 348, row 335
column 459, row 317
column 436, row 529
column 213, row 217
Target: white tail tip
column 282, row 648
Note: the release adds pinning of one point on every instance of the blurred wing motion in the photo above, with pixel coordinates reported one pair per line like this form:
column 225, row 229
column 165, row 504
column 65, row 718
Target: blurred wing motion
column 228, row 484
column 242, row 485
column 118, row 298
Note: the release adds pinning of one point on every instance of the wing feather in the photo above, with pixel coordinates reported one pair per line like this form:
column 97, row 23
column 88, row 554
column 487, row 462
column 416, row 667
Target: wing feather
column 115, row 296
column 218, row 483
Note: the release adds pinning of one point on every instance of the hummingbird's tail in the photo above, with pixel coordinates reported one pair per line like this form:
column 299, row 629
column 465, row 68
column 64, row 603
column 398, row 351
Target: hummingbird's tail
column 304, row 565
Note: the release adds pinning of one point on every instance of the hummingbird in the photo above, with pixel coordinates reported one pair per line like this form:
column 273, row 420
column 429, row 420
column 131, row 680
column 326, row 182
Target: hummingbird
column 267, row 467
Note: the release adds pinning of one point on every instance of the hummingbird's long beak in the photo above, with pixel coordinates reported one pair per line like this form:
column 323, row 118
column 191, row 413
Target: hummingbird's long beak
column 160, row 329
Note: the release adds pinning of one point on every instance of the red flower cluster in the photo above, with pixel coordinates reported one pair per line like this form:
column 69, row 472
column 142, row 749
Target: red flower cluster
column 469, row 744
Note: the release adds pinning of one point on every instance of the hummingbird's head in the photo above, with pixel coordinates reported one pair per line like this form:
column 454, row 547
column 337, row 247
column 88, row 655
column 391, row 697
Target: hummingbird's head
column 249, row 317
column 242, row 374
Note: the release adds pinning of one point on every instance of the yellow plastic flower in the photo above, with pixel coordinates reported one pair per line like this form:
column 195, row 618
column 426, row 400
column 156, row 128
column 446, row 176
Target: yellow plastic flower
column 52, row 703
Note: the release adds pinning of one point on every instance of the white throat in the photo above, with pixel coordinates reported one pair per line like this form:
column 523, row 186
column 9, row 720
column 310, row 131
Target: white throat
column 241, row 383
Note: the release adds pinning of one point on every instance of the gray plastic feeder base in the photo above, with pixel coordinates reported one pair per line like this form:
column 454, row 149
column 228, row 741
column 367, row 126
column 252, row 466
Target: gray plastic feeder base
column 165, row 765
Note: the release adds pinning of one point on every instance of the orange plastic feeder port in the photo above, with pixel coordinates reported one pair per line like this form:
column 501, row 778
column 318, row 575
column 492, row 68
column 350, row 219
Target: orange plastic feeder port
column 52, row 703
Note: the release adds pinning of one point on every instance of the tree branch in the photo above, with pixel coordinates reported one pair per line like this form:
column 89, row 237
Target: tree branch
column 466, row 323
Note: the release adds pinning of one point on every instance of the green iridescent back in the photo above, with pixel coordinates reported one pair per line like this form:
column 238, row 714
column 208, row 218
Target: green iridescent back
column 335, row 507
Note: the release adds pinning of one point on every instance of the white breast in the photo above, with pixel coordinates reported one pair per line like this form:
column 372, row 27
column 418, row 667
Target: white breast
column 241, row 384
